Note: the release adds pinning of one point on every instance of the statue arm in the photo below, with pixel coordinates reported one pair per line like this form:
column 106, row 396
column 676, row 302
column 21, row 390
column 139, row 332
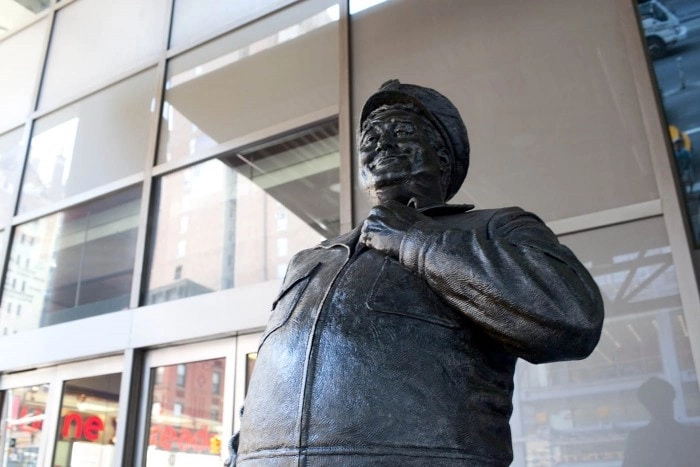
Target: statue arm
column 516, row 281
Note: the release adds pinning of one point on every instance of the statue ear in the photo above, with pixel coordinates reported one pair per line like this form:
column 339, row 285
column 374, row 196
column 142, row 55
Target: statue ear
column 445, row 168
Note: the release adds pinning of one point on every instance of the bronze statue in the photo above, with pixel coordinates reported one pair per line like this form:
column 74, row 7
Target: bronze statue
column 396, row 343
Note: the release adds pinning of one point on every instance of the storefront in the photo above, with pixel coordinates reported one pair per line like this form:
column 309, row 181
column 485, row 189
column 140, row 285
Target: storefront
column 161, row 163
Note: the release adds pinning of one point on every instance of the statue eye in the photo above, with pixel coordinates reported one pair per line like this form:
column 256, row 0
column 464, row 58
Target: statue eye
column 370, row 139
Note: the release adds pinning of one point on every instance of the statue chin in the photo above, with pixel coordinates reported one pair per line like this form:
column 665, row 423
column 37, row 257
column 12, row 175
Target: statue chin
column 396, row 192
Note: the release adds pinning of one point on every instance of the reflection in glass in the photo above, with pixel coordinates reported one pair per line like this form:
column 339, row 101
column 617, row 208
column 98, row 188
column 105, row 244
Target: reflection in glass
column 193, row 19
column 73, row 264
column 186, row 420
column 21, row 425
column 215, row 92
column 94, row 41
column 587, row 149
column 21, row 54
column 662, row 441
column 581, row 412
column 88, row 425
column 675, row 50
column 11, row 158
column 357, row 6
column 97, row 140
column 219, row 223
column 15, row 14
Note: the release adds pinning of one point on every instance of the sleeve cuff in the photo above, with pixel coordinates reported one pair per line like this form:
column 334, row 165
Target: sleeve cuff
column 414, row 245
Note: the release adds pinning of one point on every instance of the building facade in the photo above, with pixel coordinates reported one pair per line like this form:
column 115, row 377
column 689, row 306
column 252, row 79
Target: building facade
column 162, row 161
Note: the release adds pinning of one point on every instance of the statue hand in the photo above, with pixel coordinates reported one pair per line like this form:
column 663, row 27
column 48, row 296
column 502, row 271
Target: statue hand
column 386, row 225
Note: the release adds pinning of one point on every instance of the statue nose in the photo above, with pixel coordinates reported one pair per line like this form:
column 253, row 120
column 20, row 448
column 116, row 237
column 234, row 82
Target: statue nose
column 385, row 142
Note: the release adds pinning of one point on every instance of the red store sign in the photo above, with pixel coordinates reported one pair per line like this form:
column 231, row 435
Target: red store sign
column 169, row 438
column 88, row 428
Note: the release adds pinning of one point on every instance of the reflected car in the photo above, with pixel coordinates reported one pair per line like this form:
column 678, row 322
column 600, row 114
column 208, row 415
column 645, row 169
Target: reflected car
column 662, row 28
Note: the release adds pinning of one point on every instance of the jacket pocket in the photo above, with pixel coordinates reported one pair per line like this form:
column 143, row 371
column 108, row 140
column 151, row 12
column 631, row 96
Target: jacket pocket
column 289, row 296
column 398, row 291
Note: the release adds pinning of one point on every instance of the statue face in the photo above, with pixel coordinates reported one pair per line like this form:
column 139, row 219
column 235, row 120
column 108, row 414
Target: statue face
column 397, row 161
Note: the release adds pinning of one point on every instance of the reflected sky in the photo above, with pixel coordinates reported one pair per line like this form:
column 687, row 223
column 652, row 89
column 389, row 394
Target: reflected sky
column 52, row 151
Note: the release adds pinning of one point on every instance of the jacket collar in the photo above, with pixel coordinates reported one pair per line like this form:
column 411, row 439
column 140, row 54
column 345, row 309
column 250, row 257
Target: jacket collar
column 446, row 209
column 349, row 239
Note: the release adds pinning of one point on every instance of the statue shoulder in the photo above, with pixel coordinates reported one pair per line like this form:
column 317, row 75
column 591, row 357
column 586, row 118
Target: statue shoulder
column 499, row 221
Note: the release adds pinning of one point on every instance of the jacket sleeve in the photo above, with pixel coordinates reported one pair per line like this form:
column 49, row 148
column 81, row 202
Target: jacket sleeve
column 515, row 280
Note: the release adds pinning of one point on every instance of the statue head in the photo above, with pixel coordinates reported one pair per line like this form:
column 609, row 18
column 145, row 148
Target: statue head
column 413, row 145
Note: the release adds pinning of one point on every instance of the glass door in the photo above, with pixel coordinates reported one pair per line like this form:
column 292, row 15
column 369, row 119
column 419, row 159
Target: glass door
column 246, row 355
column 62, row 416
column 88, row 427
column 87, row 400
column 189, row 403
column 23, row 407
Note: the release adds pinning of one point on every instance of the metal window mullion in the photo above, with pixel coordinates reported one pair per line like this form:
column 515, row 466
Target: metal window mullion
column 234, row 26
column 45, row 59
column 6, row 240
column 245, row 142
column 129, row 397
column 669, row 360
column 345, row 118
column 145, row 217
column 141, row 416
column 59, row 4
column 79, row 199
column 29, row 123
column 127, row 73
column 52, row 415
column 606, row 218
column 3, row 415
column 81, row 265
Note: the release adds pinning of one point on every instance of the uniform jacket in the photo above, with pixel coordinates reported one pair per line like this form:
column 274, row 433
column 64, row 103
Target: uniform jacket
column 369, row 359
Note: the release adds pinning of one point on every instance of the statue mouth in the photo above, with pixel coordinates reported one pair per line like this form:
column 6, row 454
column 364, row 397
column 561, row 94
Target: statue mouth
column 388, row 179
column 386, row 162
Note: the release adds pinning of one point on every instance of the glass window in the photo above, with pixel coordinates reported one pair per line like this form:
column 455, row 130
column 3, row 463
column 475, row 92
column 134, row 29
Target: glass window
column 81, row 263
column 595, row 409
column 15, row 14
column 233, row 204
column 195, row 19
column 215, row 93
column 93, row 42
column 181, row 375
column 97, row 140
column 88, row 425
column 186, row 424
column 675, row 49
column 11, row 158
column 216, row 383
column 22, row 425
column 536, row 112
column 20, row 53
